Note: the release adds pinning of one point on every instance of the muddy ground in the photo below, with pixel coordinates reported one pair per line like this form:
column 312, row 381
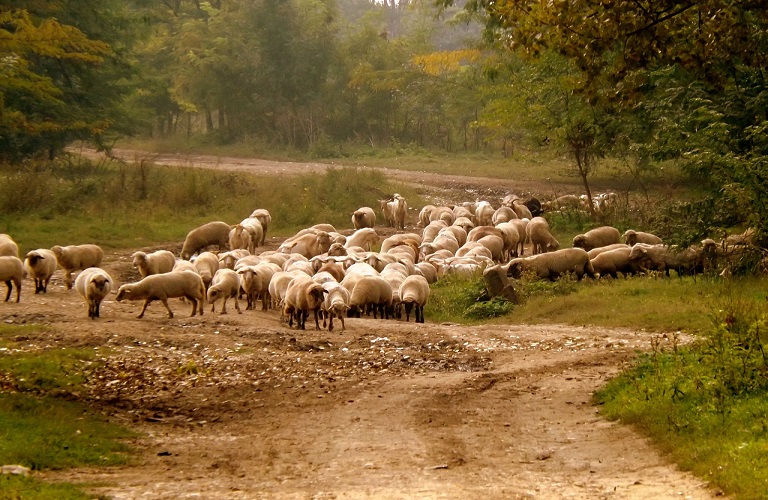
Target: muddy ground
column 240, row 406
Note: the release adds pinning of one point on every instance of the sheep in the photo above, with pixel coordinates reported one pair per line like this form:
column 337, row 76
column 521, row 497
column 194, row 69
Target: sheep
column 534, row 206
column 503, row 214
column 335, row 304
column 507, row 234
column 363, row 217
column 443, row 241
column 431, row 230
column 483, row 213
column 598, row 237
column 365, row 238
column 663, row 258
column 187, row 284
column 93, row 285
column 552, row 265
column 612, row 262
column 395, row 274
column 40, row 264
column 465, row 223
column 521, row 210
column 597, row 251
column 308, row 245
column 239, row 238
column 631, row 237
column 8, row 247
column 511, row 237
column 425, row 213
column 399, row 211
column 444, row 214
column 252, row 227
column 521, row 225
column 206, row 264
column 184, row 265
column 371, row 291
column 509, row 200
column 303, row 295
column 228, row 259
column 77, row 257
column 159, row 262
column 388, row 211
column 564, row 202
column 212, row 233
column 265, row 219
column 225, row 285
column 494, row 244
column 255, row 283
column 274, row 257
column 12, row 272
column 537, row 233
column 277, row 288
column 334, row 268
column 414, row 292
column 411, row 239
column 428, row 270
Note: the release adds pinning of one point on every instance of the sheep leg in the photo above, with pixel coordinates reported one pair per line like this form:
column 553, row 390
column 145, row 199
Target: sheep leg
column 330, row 321
column 317, row 323
column 408, row 309
column 9, row 284
column 68, row 279
column 237, row 306
column 420, row 314
column 143, row 309
column 194, row 307
column 170, row 313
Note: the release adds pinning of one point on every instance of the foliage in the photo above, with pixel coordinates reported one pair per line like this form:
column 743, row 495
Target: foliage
column 458, row 298
column 705, row 403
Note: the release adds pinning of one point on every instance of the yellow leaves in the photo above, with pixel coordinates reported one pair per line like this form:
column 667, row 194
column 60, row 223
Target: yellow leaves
column 440, row 63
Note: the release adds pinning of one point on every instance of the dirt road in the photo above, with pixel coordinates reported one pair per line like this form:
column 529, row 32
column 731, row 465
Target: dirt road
column 239, row 406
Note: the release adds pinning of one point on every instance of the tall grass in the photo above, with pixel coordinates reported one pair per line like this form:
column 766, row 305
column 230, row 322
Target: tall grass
column 120, row 205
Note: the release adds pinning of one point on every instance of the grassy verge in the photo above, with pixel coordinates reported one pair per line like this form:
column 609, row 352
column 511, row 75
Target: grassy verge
column 705, row 404
column 42, row 428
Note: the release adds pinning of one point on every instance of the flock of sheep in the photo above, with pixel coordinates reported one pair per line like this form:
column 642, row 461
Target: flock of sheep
column 334, row 276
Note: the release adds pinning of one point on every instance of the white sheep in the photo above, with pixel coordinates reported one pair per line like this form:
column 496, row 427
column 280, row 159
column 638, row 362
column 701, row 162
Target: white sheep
column 225, row 285
column 363, row 217
column 483, row 213
column 198, row 239
column 206, row 264
column 239, row 238
column 303, row 295
column 158, row 262
column 458, row 232
column 187, row 284
column 309, row 245
column 503, row 214
column 552, row 265
column 632, row 237
column 522, row 211
column 77, row 257
column 411, row 239
column 11, row 272
column 597, row 251
column 8, row 247
column 538, row 234
column 612, row 262
column 399, row 211
column 40, row 265
column 255, row 282
column 414, row 292
column 428, row 270
column 335, row 304
column 365, row 238
column 425, row 213
column 372, row 292
column 252, row 227
column 93, row 285
column 598, row 237
column 228, row 259
column 264, row 217
column 444, row 214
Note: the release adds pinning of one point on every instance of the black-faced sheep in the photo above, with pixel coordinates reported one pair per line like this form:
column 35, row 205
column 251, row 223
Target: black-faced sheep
column 11, row 272
column 363, row 217
column 552, row 265
column 212, row 233
column 414, row 293
column 225, row 285
column 159, row 262
column 599, row 237
column 632, row 237
column 187, row 284
column 40, row 265
column 93, row 285
column 77, row 257
column 372, row 292
column 8, row 247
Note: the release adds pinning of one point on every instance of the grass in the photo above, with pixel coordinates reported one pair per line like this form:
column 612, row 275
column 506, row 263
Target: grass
column 13, row 487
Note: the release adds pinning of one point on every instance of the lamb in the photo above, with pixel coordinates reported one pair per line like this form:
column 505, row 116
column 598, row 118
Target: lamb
column 537, row 233
column 552, row 265
column 614, row 261
column 371, row 291
column 363, row 217
column 212, row 233
column 93, row 285
column 365, row 238
column 206, row 264
column 335, row 304
column 40, row 264
column 414, row 292
column 388, row 210
column 187, row 284
column 303, row 295
column 8, row 247
column 631, row 237
column 77, row 257
column 225, row 285
column 308, row 245
column 255, row 283
column 598, row 237
column 12, row 272
column 159, row 262
column 265, row 219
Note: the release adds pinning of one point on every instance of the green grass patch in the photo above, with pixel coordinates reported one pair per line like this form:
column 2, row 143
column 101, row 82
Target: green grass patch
column 118, row 205
column 13, row 487
column 705, row 404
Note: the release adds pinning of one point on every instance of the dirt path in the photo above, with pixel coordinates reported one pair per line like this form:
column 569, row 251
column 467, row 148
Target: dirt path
column 239, row 406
